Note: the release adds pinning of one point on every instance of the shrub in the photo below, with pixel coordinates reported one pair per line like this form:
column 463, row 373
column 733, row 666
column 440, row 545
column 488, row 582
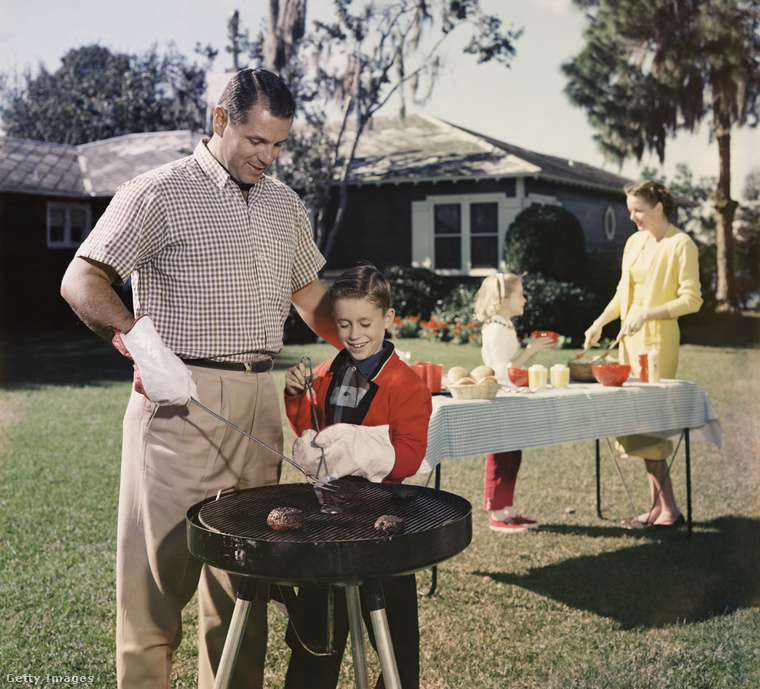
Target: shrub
column 415, row 291
column 548, row 240
column 404, row 326
column 553, row 305
column 457, row 305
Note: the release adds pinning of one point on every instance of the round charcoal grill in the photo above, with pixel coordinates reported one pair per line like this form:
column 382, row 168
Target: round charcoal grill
column 230, row 532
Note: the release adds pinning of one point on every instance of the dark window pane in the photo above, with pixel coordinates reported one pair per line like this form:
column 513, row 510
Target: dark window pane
column 448, row 218
column 448, row 253
column 77, row 234
column 57, row 233
column 484, row 218
column 77, row 217
column 484, row 252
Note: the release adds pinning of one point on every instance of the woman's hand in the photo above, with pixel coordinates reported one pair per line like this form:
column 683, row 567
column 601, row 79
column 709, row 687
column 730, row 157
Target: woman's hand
column 633, row 323
column 295, row 380
column 592, row 335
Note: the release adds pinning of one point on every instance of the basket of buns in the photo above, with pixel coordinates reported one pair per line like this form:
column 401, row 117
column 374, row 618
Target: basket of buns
column 478, row 384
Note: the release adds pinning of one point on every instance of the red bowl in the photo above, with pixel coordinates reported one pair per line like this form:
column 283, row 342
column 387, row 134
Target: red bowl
column 546, row 333
column 518, row 376
column 611, row 374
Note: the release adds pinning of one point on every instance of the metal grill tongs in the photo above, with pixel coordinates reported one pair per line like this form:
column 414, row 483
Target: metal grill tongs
column 327, row 509
column 319, row 484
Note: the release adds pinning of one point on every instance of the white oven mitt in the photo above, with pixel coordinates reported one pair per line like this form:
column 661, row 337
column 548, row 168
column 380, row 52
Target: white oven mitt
column 352, row 450
column 160, row 374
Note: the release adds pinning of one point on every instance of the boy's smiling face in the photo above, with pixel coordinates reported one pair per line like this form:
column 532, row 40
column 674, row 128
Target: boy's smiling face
column 361, row 326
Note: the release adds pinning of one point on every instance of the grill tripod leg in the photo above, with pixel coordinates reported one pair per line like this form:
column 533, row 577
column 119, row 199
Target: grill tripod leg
column 376, row 604
column 358, row 652
column 246, row 594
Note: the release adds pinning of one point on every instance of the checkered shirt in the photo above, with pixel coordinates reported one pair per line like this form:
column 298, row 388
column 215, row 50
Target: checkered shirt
column 214, row 273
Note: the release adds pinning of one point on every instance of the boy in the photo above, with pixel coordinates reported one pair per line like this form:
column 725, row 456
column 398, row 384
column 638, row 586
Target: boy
column 375, row 412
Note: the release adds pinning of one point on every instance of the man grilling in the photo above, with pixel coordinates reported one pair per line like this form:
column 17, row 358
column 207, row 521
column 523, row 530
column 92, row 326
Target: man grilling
column 217, row 251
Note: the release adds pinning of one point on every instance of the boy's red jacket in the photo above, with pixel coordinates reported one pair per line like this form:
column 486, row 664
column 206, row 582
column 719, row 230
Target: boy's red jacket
column 397, row 397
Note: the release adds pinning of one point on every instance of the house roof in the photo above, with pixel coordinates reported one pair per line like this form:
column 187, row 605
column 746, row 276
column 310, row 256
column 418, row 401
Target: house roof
column 39, row 167
column 107, row 164
column 416, row 149
column 94, row 169
column 424, row 148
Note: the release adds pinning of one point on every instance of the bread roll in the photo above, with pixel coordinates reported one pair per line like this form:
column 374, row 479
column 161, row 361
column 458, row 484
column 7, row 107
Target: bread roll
column 488, row 380
column 469, row 380
column 457, row 372
column 482, row 372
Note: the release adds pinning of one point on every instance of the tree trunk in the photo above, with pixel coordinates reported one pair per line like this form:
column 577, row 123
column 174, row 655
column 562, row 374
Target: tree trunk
column 287, row 23
column 726, row 207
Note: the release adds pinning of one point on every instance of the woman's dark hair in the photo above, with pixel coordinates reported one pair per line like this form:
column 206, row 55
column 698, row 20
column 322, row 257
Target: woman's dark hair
column 363, row 282
column 248, row 87
column 653, row 193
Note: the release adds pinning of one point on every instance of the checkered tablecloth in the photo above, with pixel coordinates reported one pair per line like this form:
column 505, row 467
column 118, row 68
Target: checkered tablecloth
column 583, row 411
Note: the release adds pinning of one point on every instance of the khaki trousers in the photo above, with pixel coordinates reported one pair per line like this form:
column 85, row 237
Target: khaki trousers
column 172, row 458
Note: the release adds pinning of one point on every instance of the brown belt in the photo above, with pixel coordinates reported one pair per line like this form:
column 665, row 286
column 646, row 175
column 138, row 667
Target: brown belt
column 257, row 366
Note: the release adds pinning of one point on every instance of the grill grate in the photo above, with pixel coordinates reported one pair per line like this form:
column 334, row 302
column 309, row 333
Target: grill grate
column 244, row 514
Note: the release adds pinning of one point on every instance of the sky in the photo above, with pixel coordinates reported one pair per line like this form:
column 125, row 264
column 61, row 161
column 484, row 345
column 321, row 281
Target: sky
column 523, row 105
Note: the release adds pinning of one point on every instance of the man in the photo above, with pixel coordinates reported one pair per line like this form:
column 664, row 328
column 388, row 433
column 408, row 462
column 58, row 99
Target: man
column 217, row 251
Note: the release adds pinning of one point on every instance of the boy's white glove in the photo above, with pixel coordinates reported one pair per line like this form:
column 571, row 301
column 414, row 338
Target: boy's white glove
column 160, row 374
column 350, row 450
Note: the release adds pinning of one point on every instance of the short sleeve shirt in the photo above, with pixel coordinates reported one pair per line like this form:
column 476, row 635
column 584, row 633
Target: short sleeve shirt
column 214, row 273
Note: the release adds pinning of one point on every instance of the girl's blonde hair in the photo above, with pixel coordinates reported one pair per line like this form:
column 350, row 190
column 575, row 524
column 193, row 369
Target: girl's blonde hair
column 494, row 288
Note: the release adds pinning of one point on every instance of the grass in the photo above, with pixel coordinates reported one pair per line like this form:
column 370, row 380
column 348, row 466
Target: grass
column 581, row 603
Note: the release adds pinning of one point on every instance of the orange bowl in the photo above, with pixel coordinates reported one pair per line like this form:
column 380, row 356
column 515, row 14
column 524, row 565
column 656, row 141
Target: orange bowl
column 518, row 376
column 611, row 374
column 546, row 333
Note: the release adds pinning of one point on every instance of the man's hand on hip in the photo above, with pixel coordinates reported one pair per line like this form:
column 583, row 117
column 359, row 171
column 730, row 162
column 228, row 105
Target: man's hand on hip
column 160, row 374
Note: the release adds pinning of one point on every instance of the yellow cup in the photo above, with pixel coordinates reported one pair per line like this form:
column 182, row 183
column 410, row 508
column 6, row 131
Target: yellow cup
column 537, row 377
column 560, row 377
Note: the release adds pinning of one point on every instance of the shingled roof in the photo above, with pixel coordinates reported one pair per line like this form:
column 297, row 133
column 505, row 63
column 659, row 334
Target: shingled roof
column 424, row 148
column 46, row 168
column 391, row 151
column 94, row 169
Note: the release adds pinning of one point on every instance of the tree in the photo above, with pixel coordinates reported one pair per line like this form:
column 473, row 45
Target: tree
column 354, row 63
column 653, row 67
column 96, row 95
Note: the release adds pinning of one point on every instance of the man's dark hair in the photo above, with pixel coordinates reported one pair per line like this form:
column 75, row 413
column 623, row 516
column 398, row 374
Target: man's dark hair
column 250, row 86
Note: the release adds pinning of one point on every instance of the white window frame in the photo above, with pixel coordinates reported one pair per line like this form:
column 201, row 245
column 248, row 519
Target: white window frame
column 67, row 242
column 423, row 230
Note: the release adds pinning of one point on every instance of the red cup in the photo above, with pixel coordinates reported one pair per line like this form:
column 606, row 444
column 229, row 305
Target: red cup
column 546, row 333
column 433, row 376
column 420, row 370
column 518, row 376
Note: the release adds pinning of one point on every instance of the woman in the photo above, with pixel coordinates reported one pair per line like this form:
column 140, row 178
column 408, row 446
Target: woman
column 659, row 283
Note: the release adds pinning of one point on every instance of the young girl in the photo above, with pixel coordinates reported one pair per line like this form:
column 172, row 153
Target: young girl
column 499, row 299
column 374, row 411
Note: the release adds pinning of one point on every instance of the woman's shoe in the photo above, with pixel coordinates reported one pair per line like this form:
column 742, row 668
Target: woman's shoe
column 678, row 522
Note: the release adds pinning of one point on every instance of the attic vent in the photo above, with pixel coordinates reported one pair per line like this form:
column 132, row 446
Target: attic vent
column 610, row 223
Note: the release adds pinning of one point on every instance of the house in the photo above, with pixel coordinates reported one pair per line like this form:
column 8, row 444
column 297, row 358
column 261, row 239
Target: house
column 422, row 192
column 431, row 194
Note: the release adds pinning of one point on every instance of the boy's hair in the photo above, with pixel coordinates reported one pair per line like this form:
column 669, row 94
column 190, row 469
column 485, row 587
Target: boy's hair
column 494, row 288
column 653, row 193
column 363, row 282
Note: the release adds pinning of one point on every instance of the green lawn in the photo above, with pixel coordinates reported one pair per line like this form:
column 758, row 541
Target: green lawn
column 582, row 603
